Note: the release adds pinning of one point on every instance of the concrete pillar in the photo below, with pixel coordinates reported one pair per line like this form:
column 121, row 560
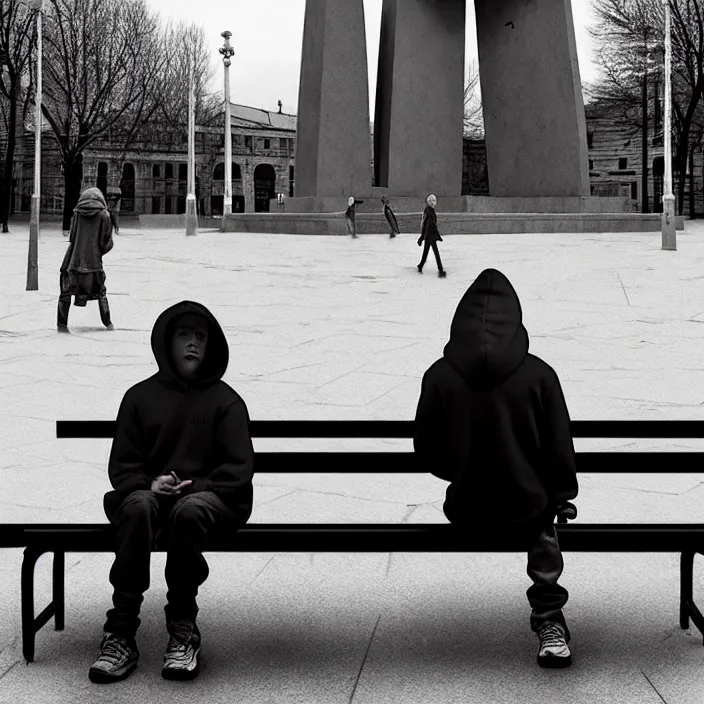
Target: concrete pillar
column 419, row 97
column 248, row 188
column 332, row 141
column 536, row 137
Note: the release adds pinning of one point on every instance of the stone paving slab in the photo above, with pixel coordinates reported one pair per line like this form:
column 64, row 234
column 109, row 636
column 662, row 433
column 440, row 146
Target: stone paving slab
column 333, row 328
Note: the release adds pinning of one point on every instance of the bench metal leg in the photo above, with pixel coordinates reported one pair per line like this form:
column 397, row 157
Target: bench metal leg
column 30, row 624
column 688, row 609
column 58, row 589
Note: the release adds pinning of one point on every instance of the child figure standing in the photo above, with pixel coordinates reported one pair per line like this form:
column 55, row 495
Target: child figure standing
column 430, row 235
column 82, row 272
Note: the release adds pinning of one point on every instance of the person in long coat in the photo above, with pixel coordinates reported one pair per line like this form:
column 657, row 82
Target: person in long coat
column 350, row 213
column 390, row 218
column 430, row 235
column 82, row 272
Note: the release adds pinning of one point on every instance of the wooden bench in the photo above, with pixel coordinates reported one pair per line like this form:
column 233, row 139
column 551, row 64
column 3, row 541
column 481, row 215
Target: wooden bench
column 687, row 539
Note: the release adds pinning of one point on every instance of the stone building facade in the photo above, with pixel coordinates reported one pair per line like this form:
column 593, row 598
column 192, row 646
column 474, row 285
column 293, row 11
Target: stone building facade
column 152, row 172
column 616, row 163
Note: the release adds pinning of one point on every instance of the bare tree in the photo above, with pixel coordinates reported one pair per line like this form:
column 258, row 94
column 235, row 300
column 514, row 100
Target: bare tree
column 688, row 79
column 16, row 42
column 628, row 34
column 473, row 112
column 103, row 59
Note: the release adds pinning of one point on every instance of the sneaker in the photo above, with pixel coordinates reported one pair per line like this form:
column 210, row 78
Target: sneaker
column 118, row 657
column 442, row 274
column 110, row 326
column 181, row 658
column 62, row 328
column 554, row 651
column 420, row 269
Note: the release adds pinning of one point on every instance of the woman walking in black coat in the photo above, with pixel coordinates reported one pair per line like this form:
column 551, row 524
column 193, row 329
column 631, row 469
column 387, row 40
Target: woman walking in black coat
column 430, row 235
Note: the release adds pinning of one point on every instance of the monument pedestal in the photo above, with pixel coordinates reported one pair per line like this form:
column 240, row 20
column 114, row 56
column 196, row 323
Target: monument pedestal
column 459, row 204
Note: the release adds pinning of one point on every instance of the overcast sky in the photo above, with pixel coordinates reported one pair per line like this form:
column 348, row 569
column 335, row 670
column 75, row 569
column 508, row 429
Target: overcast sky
column 267, row 37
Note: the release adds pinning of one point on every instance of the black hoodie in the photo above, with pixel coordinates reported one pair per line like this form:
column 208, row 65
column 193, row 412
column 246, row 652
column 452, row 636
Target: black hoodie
column 198, row 429
column 491, row 417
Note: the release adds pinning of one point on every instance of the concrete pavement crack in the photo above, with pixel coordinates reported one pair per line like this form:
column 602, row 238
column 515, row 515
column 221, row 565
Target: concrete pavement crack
column 268, row 562
column 359, row 674
column 653, row 686
column 623, row 287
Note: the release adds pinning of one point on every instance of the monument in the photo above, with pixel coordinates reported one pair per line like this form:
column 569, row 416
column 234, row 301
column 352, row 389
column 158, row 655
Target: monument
column 535, row 126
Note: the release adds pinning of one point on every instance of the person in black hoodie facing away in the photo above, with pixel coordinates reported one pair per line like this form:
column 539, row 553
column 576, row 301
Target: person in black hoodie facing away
column 430, row 235
column 492, row 421
column 181, row 465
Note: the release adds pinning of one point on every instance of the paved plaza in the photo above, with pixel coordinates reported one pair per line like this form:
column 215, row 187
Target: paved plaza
column 335, row 328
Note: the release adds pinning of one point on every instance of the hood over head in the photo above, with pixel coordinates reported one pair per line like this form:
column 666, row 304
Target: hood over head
column 217, row 353
column 487, row 338
column 91, row 202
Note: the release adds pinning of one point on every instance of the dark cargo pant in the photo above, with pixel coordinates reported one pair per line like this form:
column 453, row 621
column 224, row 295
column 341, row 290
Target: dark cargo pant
column 184, row 524
column 546, row 597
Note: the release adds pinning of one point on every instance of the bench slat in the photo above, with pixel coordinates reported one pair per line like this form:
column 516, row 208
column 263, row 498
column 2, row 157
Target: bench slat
column 406, row 462
column 404, row 428
column 368, row 538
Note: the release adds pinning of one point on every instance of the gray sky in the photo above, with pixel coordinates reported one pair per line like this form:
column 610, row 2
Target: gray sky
column 267, row 36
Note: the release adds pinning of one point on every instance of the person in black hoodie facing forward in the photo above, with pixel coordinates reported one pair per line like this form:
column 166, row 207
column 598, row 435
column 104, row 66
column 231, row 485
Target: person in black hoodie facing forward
column 181, row 465
column 492, row 421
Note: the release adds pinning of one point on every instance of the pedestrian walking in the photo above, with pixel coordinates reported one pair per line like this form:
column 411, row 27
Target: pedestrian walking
column 430, row 235
column 181, row 466
column 350, row 215
column 114, row 195
column 81, row 272
column 390, row 218
column 492, row 420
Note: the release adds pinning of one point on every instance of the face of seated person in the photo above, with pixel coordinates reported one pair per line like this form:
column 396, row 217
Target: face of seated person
column 189, row 344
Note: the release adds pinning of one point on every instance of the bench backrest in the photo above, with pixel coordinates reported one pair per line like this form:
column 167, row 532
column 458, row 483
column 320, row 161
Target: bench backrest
column 337, row 462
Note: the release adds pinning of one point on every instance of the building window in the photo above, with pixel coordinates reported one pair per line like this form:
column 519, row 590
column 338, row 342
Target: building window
column 183, row 173
column 267, row 144
column 283, row 143
column 590, row 140
column 634, row 190
column 591, row 164
column 102, row 179
column 290, row 181
column 169, row 171
column 622, row 163
column 248, row 141
column 156, row 171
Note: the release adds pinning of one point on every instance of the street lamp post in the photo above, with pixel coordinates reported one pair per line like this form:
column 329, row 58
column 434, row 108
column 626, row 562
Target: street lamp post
column 227, row 53
column 191, row 215
column 669, row 232
column 33, row 254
